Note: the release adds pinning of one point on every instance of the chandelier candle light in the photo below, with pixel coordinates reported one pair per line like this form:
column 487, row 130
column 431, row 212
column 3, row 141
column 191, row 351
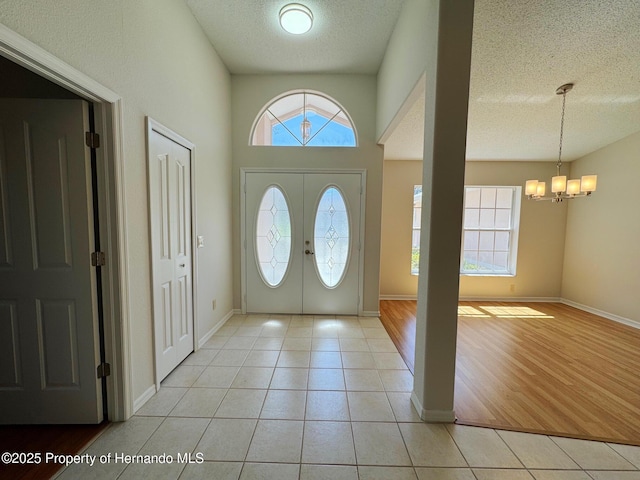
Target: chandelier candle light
column 560, row 187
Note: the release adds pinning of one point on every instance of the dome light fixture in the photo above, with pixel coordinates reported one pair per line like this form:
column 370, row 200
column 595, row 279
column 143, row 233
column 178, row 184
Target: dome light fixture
column 296, row 19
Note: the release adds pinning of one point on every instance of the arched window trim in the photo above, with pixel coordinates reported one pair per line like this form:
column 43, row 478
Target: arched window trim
column 333, row 117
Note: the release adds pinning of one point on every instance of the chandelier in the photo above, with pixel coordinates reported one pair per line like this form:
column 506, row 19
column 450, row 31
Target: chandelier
column 560, row 187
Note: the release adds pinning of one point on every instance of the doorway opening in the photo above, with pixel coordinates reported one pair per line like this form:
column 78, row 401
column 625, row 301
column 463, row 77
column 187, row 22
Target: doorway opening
column 51, row 73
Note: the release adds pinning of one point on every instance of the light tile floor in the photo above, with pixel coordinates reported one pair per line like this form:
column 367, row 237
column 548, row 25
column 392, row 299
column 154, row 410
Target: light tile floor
column 302, row 397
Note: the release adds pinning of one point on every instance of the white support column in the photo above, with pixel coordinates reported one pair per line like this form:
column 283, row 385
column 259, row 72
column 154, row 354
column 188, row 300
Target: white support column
column 450, row 23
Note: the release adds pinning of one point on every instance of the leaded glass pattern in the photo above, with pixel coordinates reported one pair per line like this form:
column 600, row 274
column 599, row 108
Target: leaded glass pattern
column 331, row 237
column 304, row 119
column 273, row 236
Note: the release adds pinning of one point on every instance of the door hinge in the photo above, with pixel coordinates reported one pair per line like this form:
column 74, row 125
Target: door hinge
column 98, row 259
column 104, row 370
column 92, row 139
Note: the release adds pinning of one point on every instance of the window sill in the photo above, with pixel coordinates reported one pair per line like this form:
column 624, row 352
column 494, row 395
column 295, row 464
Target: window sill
column 487, row 274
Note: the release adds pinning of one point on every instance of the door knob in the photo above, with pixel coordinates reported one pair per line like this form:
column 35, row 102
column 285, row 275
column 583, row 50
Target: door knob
column 308, row 252
column 182, row 265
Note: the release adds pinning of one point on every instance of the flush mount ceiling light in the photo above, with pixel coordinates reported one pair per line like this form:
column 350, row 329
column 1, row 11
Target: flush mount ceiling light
column 296, row 18
column 562, row 189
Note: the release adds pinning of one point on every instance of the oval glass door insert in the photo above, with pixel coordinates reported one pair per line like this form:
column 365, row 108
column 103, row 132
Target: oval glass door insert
column 273, row 237
column 331, row 237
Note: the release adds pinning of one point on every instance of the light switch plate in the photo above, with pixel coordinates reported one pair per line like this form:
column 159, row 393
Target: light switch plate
column 200, row 240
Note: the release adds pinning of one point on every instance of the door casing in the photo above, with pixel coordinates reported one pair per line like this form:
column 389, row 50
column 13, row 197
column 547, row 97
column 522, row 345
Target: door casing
column 112, row 211
column 243, row 234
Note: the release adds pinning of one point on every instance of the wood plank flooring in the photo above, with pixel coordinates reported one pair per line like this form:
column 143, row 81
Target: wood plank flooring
column 538, row 367
column 60, row 439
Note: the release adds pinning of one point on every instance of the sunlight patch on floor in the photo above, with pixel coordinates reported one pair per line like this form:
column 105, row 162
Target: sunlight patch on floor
column 471, row 312
column 515, row 312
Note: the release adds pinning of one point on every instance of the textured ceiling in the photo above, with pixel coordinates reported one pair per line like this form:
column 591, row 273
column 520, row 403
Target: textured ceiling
column 348, row 36
column 522, row 51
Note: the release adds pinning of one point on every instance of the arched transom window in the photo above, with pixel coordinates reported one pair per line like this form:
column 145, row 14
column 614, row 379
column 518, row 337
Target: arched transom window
column 303, row 119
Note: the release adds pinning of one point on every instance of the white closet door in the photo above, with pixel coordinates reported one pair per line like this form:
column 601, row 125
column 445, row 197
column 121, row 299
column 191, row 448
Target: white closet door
column 171, row 250
column 48, row 310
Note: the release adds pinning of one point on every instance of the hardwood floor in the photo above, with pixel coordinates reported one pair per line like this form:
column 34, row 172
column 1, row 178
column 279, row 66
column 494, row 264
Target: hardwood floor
column 59, row 439
column 538, row 367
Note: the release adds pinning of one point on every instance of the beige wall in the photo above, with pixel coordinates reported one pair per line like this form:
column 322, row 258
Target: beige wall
column 602, row 255
column 398, row 179
column 541, row 239
column 357, row 94
column 155, row 56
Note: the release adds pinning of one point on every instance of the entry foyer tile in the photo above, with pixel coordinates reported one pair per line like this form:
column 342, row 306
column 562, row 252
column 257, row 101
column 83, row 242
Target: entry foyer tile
column 387, row 473
column 276, row 441
column 290, row 378
column 445, row 474
column 537, row 451
column 263, row 471
column 213, row 470
column 183, row 376
column 163, row 401
column 217, row 377
column 483, row 447
column 199, row 402
column 379, row 444
column 253, row 377
column 328, row 443
column 430, row 445
column 241, row 403
column 327, row 406
column 284, row 405
column 328, row 472
column 227, row 439
column 592, row 455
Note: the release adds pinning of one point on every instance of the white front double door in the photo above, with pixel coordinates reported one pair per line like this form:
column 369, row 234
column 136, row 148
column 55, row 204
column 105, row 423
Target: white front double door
column 302, row 242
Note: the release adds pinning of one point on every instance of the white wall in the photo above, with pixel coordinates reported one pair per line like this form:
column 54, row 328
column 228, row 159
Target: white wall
column 602, row 254
column 154, row 54
column 404, row 62
column 541, row 240
column 357, row 94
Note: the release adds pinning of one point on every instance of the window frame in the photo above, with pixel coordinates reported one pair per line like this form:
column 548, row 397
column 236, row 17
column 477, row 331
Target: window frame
column 416, row 219
column 259, row 117
column 513, row 229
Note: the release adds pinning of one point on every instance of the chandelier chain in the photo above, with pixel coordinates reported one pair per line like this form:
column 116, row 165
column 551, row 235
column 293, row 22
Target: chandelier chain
column 564, row 99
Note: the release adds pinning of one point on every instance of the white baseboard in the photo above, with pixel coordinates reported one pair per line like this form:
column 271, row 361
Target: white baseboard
column 144, row 398
column 370, row 313
column 481, row 299
column 511, row 299
column 601, row 313
column 432, row 416
column 398, row 297
column 215, row 328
